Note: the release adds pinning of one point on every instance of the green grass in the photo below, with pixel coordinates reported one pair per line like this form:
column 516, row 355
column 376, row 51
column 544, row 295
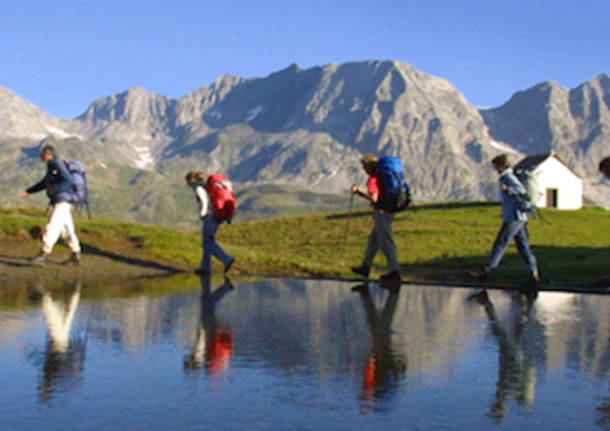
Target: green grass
column 436, row 243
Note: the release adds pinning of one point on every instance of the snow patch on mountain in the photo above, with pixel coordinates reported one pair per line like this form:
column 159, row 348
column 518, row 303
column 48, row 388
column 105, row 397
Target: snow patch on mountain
column 144, row 158
column 253, row 113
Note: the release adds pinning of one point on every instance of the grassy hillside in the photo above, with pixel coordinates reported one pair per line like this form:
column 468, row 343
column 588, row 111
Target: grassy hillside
column 436, row 243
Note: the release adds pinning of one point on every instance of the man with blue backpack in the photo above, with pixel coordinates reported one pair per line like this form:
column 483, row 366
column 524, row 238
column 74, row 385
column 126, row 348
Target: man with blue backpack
column 58, row 183
column 388, row 193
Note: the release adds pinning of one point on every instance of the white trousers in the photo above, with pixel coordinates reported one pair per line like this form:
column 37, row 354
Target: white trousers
column 59, row 320
column 60, row 223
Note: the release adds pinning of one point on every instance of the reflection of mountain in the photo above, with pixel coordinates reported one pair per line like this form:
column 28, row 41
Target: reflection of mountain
column 321, row 327
column 580, row 322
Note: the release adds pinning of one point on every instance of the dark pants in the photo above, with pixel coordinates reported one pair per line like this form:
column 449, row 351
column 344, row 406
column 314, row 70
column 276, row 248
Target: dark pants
column 210, row 247
column 516, row 229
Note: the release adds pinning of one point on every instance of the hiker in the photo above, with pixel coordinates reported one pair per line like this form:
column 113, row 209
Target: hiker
column 517, row 372
column 514, row 223
column 385, row 365
column 213, row 346
column 604, row 167
column 64, row 356
column 380, row 237
column 211, row 223
column 58, row 185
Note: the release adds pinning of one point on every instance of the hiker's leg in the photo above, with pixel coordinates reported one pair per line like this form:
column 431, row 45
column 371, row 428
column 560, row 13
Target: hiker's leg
column 210, row 247
column 69, row 230
column 383, row 226
column 523, row 246
column 505, row 235
column 372, row 246
column 54, row 227
column 209, row 233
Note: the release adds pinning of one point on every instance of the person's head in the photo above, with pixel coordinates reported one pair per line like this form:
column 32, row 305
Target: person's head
column 47, row 152
column 369, row 163
column 500, row 163
column 192, row 178
column 604, row 166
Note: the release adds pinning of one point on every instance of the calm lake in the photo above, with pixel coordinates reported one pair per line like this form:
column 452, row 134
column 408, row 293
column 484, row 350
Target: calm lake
column 185, row 354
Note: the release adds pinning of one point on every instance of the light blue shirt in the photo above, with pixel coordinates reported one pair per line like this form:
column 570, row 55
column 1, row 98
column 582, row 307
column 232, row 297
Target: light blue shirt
column 510, row 210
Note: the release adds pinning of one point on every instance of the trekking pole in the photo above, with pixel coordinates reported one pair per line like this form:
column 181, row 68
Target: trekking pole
column 349, row 216
column 542, row 219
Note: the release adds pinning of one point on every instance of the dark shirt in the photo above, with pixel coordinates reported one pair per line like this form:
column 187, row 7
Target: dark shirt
column 57, row 182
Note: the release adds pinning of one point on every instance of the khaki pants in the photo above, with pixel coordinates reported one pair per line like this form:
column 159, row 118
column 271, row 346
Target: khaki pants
column 380, row 238
column 60, row 223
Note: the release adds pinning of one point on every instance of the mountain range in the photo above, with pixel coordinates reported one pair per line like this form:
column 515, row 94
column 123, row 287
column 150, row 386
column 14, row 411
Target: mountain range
column 296, row 136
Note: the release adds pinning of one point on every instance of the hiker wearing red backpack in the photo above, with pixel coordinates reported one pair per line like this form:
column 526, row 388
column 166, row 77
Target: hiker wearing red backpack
column 58, row 184
column 217, row 203
column 380, row 237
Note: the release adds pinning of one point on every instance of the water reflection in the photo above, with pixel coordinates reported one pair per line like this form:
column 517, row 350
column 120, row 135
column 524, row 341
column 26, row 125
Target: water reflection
column 64, row 355
column 213, row 346
column 385, row 366
column 308, row 354
column 517, row 372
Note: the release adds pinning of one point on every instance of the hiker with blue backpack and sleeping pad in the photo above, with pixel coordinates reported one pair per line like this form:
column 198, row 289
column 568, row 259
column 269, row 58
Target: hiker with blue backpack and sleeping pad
column 514, row 222
column 59, row 185
column 217, row 204
column 388, row 193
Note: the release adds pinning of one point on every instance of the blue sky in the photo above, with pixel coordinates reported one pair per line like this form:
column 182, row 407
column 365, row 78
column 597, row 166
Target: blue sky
column 63, row 55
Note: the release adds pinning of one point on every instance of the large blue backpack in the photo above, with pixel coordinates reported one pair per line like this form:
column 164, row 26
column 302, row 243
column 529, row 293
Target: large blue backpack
column 80, row 189
column 396, row 190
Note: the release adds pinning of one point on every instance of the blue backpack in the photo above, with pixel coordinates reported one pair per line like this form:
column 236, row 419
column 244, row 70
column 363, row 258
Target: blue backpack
column 80, row 189
column 396, row 190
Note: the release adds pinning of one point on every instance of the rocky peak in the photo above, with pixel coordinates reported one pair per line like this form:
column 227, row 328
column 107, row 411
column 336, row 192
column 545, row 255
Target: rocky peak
column 20, row 118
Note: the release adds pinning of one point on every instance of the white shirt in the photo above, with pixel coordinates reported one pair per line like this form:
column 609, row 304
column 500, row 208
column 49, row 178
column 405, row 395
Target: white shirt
column 203, row 199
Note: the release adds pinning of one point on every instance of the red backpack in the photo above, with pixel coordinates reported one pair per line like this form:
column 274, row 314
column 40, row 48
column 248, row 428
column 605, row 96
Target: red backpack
column 221, row 194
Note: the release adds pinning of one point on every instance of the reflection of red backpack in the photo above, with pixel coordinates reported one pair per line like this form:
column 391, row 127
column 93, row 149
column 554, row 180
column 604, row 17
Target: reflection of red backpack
column 221, row 194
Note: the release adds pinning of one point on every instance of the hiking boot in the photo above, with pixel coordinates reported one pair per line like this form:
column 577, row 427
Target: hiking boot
column 229, row 265
column 391, row 276
column 480, row 274
column 535, row 277
column 363, row 289
column 479, row 297
column 40, row 259
column 362, row 270
column 201, row 271
column 229, row 283
column 74, row 259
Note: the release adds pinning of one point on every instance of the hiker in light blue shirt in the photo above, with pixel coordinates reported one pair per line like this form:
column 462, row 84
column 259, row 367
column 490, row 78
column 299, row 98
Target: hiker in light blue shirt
column 514, row 223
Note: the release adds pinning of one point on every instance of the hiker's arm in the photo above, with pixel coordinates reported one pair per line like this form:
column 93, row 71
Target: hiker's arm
column 202, row 197
column 370, row 197
column 40, row 185
column 512, row 186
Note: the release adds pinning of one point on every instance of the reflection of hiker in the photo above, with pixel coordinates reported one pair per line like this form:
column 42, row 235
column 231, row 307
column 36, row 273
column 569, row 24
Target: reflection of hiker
column 213, row 345
column 64, row 356
column 211, row 223
column 58, row 185
column 514, row 223
column 517, row 374
column 384, row 366
column 604, row 166
column 380, row 237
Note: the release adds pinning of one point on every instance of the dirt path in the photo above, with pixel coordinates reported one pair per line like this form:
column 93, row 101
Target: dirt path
column 15, row 264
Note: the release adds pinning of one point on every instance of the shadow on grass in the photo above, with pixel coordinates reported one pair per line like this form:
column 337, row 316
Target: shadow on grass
column 455, row 205
column 92, row 250
column 569, row 267
column 360, row 212
column 11, row 261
